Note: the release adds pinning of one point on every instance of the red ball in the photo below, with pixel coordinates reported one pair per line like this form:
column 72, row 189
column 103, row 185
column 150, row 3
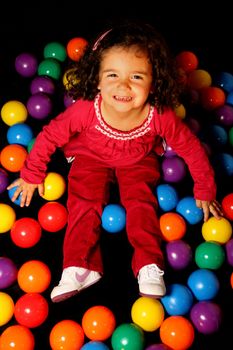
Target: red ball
column 75, row 48
column 227, row 206
column 52, row 216
column 31, row 310
column 187, row 60
column 212, row 97
column 25, row 232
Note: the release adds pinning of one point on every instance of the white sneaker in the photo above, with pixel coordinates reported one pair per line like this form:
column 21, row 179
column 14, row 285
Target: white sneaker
column 73, row 280
column 150, row 280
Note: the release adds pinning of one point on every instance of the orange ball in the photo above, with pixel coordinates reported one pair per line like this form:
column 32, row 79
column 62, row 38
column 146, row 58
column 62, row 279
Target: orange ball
column 75, row 48
column 66, row 335
column 177, row 332
column 98, row 323
column 212, row 97
column 198, row 79
column 17, row 337
column 172, row 225
column 13, row 157
column 34, row 276
column 187, row 60
column 231, row 280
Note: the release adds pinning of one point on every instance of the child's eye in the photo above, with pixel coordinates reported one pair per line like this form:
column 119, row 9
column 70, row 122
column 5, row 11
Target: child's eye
column 137, row 77
column 111, row 75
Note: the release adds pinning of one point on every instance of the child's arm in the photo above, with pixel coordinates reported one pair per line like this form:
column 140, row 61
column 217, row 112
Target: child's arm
column 26, row 190
column 212, row 207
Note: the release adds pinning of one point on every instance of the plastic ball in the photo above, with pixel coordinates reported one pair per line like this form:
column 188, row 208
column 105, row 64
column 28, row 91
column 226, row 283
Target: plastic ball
column 229, row 251
column 173, row 169
column 20, row 134
column 204, row 284
column 199, row 79
column 94, row 345
column 212, row 97
column 25, row 232
column 13, row 112
column 55, row 50
column 224, row 80
column 52, row 216
column 75, row 48
column 230, row 134
column 31, row 310
column 172, row 226
column 187, row 60
column 8, row 272
column 177, row 332
column 180, row 111
column 68, row 100
column 50, row 67
column 34, row 276
column 39, row 106
column 158, row 347
column 227, row 206
column 17, row 337
column 26, row 64
column 7, row 217
column 216, row 136
column 13, row 157
column 231, row 280
column 67, row 335
column 54, row 186
column 11, row 193
column 42, row 84
column 206, row 317
column 147, row 313
column 209, row 255
column 113, row 218
column 216, row 230
column 30, row 144
column 178, row 299
column 6, row 307
column 4, row 180
column 188, row 209
column 179, row 254
column 169, row 152
column 128, row 336
column 223, row 164
column 167, row 197
column 224, row 115
column 98, row 323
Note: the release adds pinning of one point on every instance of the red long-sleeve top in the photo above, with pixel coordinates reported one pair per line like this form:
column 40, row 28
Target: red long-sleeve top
column 81, row 130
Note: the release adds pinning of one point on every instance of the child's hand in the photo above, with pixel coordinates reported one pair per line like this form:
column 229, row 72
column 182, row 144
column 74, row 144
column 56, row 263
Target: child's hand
column 26, row 190
column 212, row 207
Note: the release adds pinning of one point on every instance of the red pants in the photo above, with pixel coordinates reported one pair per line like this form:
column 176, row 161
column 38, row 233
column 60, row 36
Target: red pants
column 88, row 193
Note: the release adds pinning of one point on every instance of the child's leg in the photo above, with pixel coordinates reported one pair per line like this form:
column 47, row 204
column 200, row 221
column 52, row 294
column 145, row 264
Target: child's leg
column 137, row 190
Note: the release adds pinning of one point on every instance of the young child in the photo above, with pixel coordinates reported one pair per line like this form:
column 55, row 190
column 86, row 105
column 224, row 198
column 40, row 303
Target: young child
column 125, row 87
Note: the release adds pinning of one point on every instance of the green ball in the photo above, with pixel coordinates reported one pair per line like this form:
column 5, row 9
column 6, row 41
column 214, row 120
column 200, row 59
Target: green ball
column 231, row 136
column 128, row 336
column 55, row 50
column 209, row 255
column 50, row 67
column 30, row 144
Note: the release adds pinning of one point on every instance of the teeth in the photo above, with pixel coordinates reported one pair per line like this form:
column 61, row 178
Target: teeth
column 123, row 98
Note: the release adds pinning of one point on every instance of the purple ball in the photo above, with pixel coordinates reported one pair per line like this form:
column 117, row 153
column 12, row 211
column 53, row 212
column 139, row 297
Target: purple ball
column 39, row 106
column 42, row 84
column 169, row 152
column 179, row 254
column 206, row 317
column 68, row 100
column 229, row 251
column 8, row 272
column 158, row 347
column 174, row 169
column 26, row 64
column 4, row 180
column 224, row 115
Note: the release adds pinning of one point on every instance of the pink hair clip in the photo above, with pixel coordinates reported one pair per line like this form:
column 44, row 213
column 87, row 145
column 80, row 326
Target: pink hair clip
column 96, row 44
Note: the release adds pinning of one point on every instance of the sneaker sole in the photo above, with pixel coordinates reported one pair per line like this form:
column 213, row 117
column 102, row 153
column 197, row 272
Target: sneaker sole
column 152, row 295
column 67, row 295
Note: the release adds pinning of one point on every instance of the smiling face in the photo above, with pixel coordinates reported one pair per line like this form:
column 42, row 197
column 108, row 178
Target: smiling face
column 125, row 79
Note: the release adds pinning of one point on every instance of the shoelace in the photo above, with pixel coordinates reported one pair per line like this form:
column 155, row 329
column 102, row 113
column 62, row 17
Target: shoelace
column 153, row 271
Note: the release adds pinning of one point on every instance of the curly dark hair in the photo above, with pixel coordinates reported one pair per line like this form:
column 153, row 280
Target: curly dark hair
column 83, row 76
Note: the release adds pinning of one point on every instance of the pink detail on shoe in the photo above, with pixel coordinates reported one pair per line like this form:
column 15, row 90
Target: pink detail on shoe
column 81, row 278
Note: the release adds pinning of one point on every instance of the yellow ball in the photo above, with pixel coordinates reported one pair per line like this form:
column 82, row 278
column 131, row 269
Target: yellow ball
column 147, row 313
column 14, row 112
column 198, row 79
column 219, row 231
column 7, row 217
column 54, row 186
column 180, row 111
column 6, row 307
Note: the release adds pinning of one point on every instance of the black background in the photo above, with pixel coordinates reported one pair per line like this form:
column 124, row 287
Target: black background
column 187, row 26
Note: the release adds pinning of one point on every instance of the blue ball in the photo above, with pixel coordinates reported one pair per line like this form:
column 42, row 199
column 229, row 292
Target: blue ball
column 204, row 284
column 11, row 193
column 178, row 299
column 113, row 218
column 94, row 345
column 188, row 209
column 167, row 197
column 20, row 134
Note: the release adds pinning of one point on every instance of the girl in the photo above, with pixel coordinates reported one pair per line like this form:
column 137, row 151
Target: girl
column 125, row 87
